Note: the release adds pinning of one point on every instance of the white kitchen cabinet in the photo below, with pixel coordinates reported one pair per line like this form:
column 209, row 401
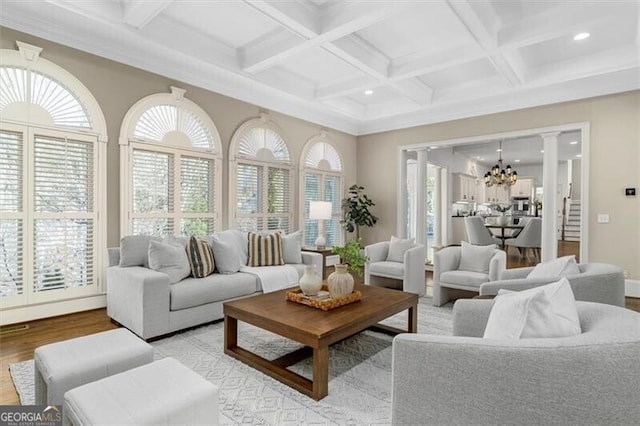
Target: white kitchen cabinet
column 496, row 194
column 464, row 188
column 522, row 187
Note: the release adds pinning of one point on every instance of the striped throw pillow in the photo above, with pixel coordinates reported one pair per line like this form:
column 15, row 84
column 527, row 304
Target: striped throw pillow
column 265, row 249
column 200, row 257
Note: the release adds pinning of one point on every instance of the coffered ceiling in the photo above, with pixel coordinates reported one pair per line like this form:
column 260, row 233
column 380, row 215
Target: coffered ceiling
column 360, row 66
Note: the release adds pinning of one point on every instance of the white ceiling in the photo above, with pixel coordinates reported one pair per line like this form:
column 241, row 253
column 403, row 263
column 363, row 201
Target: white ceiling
column 426, row 61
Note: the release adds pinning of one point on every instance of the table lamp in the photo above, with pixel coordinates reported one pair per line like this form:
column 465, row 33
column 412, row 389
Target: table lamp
column 320, row 210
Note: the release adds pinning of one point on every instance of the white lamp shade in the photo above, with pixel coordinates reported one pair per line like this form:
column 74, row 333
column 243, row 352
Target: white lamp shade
column 320, row 210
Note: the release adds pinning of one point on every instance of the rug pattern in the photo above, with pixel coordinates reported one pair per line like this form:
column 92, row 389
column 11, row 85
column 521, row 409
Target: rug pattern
column 359, row 373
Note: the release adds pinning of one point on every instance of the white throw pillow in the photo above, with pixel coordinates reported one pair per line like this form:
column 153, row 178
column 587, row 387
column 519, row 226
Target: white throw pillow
column 169, row 258
column 292, row 247
column 546, row 311
column 476, row 258
column 228, row 256
column 398, row 247
column 555, row 268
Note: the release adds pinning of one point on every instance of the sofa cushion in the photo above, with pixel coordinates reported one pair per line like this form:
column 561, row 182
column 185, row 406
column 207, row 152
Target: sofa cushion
column 200, row 257
column 398, row 247
column 464, row 278
column 392, row 269
column 134, row 250
column 169, row 257
column 265, row 249
column 192, row 292
column 227, row 254
column 292, row 247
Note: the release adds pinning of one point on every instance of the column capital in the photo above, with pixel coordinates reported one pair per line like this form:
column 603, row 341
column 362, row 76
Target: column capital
column 550, row 135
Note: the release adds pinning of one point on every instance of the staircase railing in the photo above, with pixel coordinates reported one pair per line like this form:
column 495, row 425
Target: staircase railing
column 564, row 215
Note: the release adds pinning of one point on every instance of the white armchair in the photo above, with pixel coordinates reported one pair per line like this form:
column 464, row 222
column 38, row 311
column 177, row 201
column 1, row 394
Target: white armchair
column 409, row 274
column 451, row 281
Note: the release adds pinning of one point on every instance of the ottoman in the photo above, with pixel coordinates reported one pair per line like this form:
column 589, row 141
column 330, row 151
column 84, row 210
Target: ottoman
column 164, row 392
column 65, row 365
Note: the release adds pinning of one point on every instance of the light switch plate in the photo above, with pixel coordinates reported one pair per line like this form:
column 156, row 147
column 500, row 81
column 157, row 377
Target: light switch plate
column 603, row 218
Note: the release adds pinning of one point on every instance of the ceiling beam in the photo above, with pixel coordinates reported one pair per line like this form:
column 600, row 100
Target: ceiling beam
column 306, row 30
column 483, row 24
column 138, row 13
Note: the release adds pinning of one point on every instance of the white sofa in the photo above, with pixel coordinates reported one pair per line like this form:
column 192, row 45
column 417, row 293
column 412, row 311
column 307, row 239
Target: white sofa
column 144, row 301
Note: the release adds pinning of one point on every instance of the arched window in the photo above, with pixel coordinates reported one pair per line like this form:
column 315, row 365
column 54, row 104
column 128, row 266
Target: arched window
column 170, row 168
column 260, row 178
column 52, row 183
column 322, row 179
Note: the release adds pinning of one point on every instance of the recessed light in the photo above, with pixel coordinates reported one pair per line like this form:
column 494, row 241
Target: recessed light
column 573, row 143
column 581, row 36
column 517, row 161
column 542, row 151
column 368, row 92
column 579, row 156
column 499, row 150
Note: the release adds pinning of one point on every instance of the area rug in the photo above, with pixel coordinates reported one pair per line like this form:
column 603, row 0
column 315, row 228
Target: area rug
column 359, row 373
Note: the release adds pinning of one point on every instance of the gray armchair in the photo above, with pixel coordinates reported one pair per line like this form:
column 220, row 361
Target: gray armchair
column 596, row 282
column 408, row 276
column 529, row 238
column 450, row 282
column 477, row 233
column 591, row 378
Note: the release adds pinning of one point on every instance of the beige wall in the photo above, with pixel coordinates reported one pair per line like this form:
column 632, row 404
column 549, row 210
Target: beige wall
column 117, row 87
column 614, row 164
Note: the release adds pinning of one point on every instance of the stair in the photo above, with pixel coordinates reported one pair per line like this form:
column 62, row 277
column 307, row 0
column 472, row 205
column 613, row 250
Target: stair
column 572, row 226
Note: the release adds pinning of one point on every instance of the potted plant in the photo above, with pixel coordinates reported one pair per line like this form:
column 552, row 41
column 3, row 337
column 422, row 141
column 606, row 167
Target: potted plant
column 351, row 256
column 356, row 212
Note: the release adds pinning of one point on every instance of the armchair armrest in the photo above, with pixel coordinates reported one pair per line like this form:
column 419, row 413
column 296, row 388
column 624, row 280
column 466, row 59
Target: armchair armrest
column 491, row 288
column 510, row 274
column 495, row 373
column 497, row 265
column 414, row 277
column 138, row 298
column 377, row 252
column 447, row 259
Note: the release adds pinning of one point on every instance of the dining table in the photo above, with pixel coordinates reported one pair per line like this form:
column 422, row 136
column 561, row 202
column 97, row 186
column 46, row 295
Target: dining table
column 514, row 231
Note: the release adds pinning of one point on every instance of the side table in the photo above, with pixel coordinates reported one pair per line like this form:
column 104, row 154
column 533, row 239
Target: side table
column 324, row 252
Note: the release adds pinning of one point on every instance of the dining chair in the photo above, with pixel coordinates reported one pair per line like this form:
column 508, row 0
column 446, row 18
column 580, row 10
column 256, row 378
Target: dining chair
column 477, row 233
column 529, row 237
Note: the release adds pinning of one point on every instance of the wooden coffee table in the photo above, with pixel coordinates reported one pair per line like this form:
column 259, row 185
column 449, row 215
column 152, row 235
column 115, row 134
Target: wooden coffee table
column 314, row 328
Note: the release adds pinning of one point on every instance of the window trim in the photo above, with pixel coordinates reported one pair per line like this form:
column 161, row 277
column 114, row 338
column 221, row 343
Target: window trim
column 128, row 142
column 321, row 137
column 235, row 159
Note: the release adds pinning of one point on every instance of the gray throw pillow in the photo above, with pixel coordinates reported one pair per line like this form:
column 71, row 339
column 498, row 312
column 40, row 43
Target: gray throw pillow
column 169, row 258
column 134, row 250
column 227, row 255
column 292, row 247
column 237, row 240
column 398, row 247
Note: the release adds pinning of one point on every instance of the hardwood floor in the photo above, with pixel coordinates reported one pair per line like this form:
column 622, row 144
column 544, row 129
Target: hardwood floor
column 18, row 346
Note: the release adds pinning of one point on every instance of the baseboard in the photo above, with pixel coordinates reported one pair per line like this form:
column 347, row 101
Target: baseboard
column 632, row 288
column 46, row 310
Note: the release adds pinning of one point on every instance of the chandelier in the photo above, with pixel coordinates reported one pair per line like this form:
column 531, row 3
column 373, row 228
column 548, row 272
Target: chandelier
column 498, row 175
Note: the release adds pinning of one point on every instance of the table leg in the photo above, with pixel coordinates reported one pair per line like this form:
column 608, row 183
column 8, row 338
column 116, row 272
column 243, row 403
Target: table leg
column 320, row 372
column 230, row 332
column 413, row 320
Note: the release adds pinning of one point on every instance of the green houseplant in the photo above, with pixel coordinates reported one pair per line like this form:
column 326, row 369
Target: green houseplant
column 356, row 213
column 351, row 255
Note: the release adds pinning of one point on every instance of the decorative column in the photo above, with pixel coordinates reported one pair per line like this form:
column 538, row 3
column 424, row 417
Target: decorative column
column 437, row 196
column 421, row 197
column 549, row 196
column 402, row 209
